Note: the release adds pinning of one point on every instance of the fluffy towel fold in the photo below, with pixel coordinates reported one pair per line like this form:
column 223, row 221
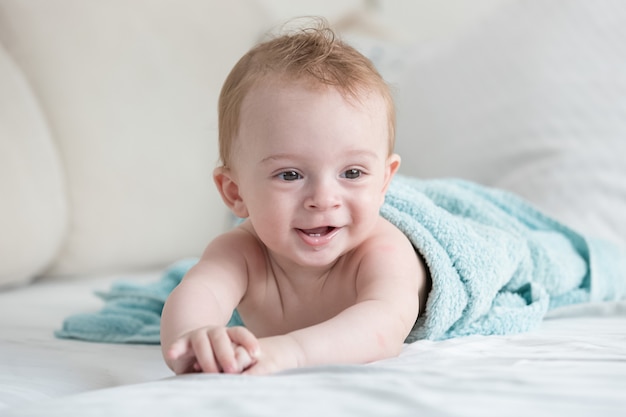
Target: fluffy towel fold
column 497, row 266
column 132, row 311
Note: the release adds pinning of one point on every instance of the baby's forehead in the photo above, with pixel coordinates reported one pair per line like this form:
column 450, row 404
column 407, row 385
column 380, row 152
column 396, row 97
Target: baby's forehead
column 364, row 97
column 277, row 120
column 268, row 100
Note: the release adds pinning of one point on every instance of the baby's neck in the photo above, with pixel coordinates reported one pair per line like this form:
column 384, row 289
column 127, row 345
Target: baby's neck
column 300, row 279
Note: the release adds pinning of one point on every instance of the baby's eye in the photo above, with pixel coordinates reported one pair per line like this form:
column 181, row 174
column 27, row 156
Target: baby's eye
column 352, row 174
column 289, row 176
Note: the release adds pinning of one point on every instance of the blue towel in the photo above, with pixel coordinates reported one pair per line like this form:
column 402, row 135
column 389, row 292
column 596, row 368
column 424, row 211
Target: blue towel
column 132, row 311
column 497, row 266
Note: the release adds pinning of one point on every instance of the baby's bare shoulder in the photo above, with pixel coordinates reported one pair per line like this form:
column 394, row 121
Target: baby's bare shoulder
column 388, row 251
column 240, row 242
column 386, row 238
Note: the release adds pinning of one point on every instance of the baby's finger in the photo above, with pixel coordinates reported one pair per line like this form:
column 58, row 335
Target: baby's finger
column 178, row 349
column 244, row 361
column 181, row 356
column 203, row 351
column 224, row 351
column 244, row 337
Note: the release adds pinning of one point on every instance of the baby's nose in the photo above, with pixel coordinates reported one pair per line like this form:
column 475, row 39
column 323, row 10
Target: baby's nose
column 323, row 196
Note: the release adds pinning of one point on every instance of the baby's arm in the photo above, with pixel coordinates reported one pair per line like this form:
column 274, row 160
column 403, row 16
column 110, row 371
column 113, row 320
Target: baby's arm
column 390, row 278
column 194, row 336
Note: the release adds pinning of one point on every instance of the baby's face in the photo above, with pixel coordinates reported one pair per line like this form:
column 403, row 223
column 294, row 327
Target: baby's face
column 312, row 170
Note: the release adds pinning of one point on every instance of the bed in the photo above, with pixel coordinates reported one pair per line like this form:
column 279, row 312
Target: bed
column 573, row 365
column 525, row 96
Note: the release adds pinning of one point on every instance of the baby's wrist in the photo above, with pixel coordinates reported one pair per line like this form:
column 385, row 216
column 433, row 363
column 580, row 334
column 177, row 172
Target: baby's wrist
column 296, row 347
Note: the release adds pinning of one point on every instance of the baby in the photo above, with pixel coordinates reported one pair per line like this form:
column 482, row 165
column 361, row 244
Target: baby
column 314, row 274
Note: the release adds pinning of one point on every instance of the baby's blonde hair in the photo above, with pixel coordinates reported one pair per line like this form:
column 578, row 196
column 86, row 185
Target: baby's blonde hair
column 314, row 55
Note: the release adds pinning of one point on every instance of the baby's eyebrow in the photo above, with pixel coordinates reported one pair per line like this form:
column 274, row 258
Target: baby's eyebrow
column 352, row 153
column 278, row 156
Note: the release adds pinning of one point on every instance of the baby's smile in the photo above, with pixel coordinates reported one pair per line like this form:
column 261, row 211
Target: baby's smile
column 318, row 231
column 318, row 236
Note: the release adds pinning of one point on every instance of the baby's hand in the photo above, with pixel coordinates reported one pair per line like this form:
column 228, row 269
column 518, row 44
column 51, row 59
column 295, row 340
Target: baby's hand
column 214, row 349
column 277, row 353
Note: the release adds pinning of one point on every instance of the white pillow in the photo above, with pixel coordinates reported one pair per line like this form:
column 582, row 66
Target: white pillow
column 33, row 210
column 532, row 99
column 130, row 91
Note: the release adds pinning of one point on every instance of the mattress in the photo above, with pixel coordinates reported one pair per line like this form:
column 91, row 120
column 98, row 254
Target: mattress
column 574, row 364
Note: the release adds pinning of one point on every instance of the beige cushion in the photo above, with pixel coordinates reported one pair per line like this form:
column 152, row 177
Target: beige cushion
column 532, row 99
column 130, row 89
column 33, row 210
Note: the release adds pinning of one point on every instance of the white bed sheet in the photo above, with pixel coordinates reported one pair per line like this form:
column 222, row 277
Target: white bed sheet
column 34, row 365
column 573, row 365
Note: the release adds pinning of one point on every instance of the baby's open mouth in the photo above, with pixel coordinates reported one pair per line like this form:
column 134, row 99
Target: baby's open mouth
column 318, row 231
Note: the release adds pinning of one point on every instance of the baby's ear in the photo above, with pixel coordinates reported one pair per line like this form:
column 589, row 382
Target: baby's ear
column 229, row 190
column 391, row 167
